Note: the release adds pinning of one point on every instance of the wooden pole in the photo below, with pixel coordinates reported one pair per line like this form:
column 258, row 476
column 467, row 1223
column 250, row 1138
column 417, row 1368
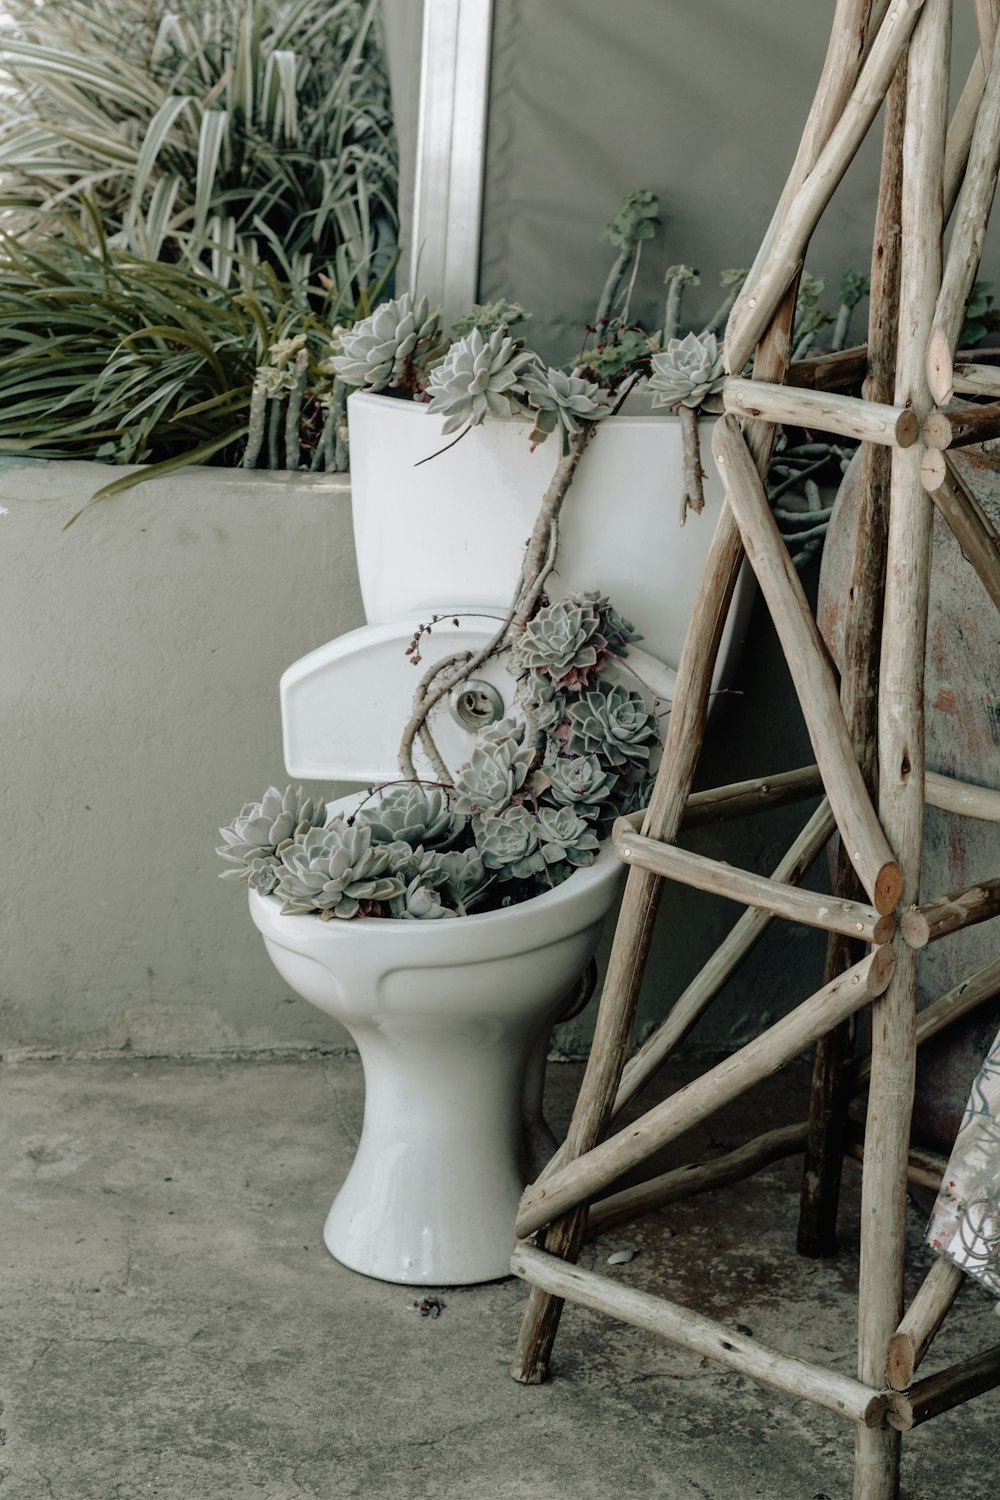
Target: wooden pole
column 962, row 797
column 870, row 852
column 700, row 1335
column 969, row 524
column 830, row 1093
column 963, row 427
column 955, row 1003
column 948, row 1388
column 581, row 1179
column 754, row 308
column 935, row 919
column 709, row 980
column 867, row 421
column 901, row 739
column 695, row 1177
column 968, row 232
column 922, row 1320
column 721, row 966
column 738, row 799
column 814, row 910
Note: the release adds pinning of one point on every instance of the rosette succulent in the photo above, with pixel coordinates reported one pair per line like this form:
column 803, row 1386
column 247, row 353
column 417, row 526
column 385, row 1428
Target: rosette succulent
column 688, row 372
column 508, row 843
column 413, row 813
column 335, row 870
column 538, row 697
column 497, row 768
column 613, row 723
column 565, row 838
column 561, row 399
column 581, row 783
column 263, row 829
column 419, row 902
column 382, row 351
column 563, row 641
column 478, row 378
column 466, row 876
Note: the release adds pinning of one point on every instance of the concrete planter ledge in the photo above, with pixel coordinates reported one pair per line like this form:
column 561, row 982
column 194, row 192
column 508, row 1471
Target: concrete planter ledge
column 138, row 684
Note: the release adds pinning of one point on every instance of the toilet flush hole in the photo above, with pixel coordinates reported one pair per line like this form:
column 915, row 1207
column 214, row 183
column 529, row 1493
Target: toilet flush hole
column 475, row 704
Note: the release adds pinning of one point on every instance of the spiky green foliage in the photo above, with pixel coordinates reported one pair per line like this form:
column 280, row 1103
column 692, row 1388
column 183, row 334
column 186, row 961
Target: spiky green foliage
column 107, row 355
column 248, row 123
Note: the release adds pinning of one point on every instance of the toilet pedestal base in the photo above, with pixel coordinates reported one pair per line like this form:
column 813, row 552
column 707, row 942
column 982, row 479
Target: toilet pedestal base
column 432, row 1194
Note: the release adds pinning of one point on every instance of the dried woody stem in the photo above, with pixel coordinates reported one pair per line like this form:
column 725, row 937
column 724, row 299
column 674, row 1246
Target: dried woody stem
column 539, row 558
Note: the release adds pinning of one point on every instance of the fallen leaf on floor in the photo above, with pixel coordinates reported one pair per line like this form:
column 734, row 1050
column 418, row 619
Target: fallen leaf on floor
column 429, row 1307
column 622, row 1257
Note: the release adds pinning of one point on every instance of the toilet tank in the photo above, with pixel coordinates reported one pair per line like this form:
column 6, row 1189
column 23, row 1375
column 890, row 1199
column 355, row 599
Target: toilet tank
column 437, row 520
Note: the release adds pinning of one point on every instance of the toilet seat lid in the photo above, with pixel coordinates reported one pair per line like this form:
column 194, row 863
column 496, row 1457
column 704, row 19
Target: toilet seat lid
column 344, row 706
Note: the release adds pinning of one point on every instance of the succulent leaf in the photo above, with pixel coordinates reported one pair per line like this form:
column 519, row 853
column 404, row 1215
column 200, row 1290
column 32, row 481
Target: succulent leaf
column 564, row 399
column 414, row 813
column 508, row 843
column 581, row 783
column 613, row 723
column 334, row 869
column 688, row 372
column 381, row 351
column 478, row 378
column 497, row 768
column 263, row 829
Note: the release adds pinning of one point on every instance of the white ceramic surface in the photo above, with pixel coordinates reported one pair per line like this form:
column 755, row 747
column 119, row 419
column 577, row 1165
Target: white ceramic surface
column 343, row 707
column 455, row 527
column 445, row 1015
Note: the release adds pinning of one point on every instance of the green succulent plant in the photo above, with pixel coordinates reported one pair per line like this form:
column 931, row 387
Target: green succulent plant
column 582, row 783
column 562, row 399
column 419, row 902
column 468, row 879
column 413, row 813
column 688, row 372
column 497, row 768
column 509, row 844
column 478, row 378
column 336, row 871
column 262, row 875
column 539, row 698
column 262, row 830
column 613, row 723
column 565, row 838
column 389, row 348
column 563, row 641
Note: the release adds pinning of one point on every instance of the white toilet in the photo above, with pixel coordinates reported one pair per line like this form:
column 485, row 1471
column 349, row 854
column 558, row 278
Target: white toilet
column 449, row 1017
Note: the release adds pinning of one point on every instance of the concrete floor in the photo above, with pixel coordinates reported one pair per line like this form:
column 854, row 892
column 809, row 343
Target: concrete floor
column 172, row 1326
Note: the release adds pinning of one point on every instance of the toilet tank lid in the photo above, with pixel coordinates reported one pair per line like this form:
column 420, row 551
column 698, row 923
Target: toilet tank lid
column 344, row 706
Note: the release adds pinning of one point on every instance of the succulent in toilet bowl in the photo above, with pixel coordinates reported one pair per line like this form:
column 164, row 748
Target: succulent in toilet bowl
column 523, row 812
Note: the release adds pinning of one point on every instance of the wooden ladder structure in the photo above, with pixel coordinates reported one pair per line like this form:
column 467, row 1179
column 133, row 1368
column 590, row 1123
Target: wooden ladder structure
column 867, row 732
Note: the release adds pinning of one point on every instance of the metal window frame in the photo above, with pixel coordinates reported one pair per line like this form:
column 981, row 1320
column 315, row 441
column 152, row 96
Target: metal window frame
column 451, row 146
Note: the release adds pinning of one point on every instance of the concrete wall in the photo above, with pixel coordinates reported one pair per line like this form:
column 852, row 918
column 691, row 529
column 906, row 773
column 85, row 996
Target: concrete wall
column 138, row 711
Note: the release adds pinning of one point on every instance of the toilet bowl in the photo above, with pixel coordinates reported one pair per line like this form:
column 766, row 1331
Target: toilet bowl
column 445, row 1016
column 451, row 1018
